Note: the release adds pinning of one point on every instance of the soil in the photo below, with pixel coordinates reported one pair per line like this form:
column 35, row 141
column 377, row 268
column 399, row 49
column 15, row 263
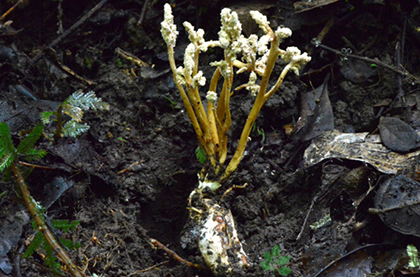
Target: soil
column 131, row 174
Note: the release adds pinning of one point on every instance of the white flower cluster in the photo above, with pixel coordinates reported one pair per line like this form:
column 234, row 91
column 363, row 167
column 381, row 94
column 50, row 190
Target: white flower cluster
column 168, row 28
column 254, row 51
column 293, row 56
column 211, row 96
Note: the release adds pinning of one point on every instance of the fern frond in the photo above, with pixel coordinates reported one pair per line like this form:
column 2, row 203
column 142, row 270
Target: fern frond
column 34, row 245
column 50, row 258
column 7, row 150
column 46, row 117
column 71, row 245
column 6, row 160
column 34, row 154
column 29, row 141
column 64, row 225
column 74, row 129
column 86, row 101
column 74, row 112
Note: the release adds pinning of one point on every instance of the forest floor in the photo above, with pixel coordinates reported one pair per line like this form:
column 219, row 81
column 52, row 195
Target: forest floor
column 129, row 177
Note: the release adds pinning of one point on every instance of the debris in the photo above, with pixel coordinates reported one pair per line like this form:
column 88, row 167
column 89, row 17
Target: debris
column 316, row 115
column 358, row 147
column 397, row 202
column 397, row 135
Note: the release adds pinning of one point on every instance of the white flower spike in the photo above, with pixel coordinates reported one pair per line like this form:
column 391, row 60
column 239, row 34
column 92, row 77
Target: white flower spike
column 168, row 28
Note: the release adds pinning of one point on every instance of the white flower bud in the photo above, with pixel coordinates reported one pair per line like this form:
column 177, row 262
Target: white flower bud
column 168, row 28
column 189, row 59
column 211, row 96
column 261, row 21
column 262, row 44
column 283, row 33
column 180, row 76
column 291, row 52
column 196, row 37
column 198, row 80
column 224, row 68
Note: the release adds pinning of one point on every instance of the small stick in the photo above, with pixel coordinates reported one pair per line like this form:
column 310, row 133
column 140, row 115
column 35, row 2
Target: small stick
column 71, row 29
column 149, row 268
column 174, row 255
column 143, row 13
column 35, row 165
column 369, row 60
column 306, row 219
column 10, row 10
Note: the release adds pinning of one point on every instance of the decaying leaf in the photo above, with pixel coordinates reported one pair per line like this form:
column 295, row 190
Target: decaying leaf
column 397, row 204
column 358, row 147
column 397, row 135
column 316, row 115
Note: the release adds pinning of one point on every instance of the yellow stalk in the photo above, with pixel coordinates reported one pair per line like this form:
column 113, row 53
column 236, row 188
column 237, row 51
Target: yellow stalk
column 211, row 109
column 185, row 99
column 259, row 102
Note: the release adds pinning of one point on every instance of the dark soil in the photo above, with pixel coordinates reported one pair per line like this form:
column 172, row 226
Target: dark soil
column 133, row 171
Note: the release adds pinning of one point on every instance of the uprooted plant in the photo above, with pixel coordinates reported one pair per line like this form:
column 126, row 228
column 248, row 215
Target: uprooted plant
column 219, row 243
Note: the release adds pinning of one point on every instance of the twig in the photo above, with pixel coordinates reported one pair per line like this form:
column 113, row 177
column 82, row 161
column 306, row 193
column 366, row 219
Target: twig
column 10, row 10
column 369, row 60
column 42, row 227
column 143, row 13
column 35, row 165
column 306, row 219
column 71, row 29
column 148, row 269
column 174, row 255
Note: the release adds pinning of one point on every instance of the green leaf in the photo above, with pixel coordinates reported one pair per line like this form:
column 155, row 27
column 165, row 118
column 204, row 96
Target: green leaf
column 284, row 271
column 71, row 245
column 29, row 141
column 46, row 117
column 265, row 265
column 275, row 251
column 34, row 245
column 74, row 112
column 64, row 225
column 6, row 160
column 201, row 154
column 283, row 260
column 50, row 259
column 267, row 257
column 33, row 154
column 7, row 150
column 73, row 128
column 85, row 101
column 413, row 256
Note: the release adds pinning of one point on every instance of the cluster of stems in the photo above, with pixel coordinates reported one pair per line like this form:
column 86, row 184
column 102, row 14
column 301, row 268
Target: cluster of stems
column 212, row 124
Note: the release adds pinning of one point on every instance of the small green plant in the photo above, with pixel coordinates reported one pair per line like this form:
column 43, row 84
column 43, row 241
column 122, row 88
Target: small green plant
column 413, row 256
column 39, row 242
column 201, row 154
column 8, row 153
column 173, row 103
column 73, row 106
column 274, row 263
column 9, row 160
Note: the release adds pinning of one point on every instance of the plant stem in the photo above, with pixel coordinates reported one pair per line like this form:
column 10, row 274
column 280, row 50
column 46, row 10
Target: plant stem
column 59, row 123
column 259, row 102
column 42, row 227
